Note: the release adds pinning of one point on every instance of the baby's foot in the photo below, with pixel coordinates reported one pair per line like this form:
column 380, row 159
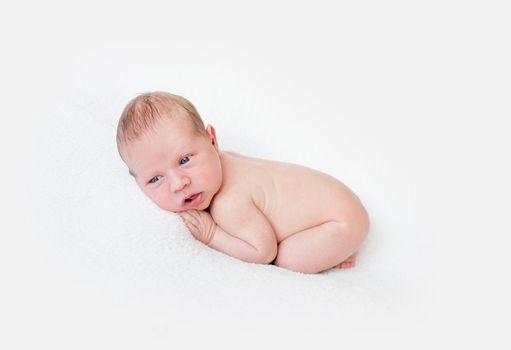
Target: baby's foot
column 346, row 264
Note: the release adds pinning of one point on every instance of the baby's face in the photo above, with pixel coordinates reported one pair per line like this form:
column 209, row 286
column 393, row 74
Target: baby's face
column 172, row 163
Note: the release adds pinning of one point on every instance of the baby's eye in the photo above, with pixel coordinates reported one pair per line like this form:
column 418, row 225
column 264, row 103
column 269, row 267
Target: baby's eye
column 155, row 179
column 184, row 160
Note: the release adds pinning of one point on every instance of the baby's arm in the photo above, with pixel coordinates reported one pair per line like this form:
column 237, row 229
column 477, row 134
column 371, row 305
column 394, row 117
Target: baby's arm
column 245, row 233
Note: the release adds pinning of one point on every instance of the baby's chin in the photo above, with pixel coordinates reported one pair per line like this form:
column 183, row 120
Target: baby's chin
column 204, row 205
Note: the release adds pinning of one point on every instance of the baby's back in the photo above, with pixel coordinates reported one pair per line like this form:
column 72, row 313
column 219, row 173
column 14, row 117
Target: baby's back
column 292, row 197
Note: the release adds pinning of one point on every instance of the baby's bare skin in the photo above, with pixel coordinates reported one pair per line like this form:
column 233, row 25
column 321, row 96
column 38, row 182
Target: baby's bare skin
column 293, row 198
column 252, row 209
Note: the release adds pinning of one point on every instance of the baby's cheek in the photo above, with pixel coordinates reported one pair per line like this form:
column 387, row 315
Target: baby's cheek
column 158, row 199
column 168, row 204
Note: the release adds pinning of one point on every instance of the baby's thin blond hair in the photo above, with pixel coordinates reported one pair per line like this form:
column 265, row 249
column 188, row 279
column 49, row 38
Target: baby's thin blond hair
column 143, row 111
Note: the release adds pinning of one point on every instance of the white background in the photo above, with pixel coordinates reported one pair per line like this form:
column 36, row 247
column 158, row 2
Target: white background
column 405, row 102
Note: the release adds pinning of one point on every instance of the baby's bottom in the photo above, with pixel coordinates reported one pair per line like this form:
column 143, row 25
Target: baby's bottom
column 320, row 248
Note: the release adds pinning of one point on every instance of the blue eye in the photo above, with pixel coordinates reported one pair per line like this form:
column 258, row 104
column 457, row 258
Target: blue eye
column 154, row 179
column 184, row 160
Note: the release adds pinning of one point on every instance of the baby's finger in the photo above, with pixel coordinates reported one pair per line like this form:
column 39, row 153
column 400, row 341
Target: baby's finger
column 185, row 213
column 193, row 229
column 191, row 218
column 184, row 216
column 190, row 225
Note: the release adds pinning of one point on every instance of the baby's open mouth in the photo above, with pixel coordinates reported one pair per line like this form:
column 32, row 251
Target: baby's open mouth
column 192, row 198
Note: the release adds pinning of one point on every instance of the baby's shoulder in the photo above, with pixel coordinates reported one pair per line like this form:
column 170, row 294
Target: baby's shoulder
column 228, row 202
column 240, row 173
column 237, row 184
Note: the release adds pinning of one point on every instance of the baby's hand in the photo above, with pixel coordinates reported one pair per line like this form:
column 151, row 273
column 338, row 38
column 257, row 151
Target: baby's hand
column 200, row 223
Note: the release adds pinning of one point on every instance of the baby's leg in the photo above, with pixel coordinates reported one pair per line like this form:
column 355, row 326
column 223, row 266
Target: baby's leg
column 321, row 247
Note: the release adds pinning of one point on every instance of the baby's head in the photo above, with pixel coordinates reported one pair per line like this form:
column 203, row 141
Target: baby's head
column 169, row 152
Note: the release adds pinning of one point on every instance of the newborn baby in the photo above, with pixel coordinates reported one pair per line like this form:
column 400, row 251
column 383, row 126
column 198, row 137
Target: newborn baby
column 256, row 210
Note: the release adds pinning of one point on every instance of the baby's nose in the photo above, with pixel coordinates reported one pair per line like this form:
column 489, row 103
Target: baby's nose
column 179, row 183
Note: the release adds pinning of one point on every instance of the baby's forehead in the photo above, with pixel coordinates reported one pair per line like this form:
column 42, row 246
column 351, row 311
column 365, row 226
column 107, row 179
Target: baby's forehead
column 185, row 131
column 179, row 122
column 175, row 130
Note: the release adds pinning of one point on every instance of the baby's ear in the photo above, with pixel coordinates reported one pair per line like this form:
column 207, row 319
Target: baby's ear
column 212, row 135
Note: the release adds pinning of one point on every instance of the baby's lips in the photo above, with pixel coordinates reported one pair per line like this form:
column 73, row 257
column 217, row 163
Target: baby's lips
column 185, row 198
